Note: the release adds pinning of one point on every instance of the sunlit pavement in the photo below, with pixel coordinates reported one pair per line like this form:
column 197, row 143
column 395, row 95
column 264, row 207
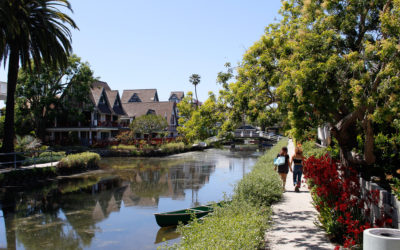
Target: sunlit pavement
column 293, row 220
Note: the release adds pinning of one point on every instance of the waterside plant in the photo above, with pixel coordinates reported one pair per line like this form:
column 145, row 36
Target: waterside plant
column 84, row 160
column 241, row 223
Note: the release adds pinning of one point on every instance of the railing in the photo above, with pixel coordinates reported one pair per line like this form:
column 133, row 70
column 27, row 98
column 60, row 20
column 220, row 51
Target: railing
column 17, row 159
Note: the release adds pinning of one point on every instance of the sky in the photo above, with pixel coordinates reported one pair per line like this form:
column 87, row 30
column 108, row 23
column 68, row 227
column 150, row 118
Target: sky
column 158, row 44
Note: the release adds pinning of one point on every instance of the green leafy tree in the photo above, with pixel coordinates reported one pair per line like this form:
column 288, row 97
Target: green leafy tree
column 342, row 70
column 34, row 29
column 149, row 124
column 333, row 62
column 50, row 92
column 200, row 123
column 251, row 97
column 186, row 108
column 195, row 80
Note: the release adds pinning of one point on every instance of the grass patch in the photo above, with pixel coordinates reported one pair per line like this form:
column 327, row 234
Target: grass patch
column 52, row 154
column 80, row 161
column 124, row 147
column 173, row 147
column 242, row 223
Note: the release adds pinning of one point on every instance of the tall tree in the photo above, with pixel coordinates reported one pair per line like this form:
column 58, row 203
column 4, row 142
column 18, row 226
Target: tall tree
column 195, row 80
column 35, row 29
column 333, row 62
column 39, row 92
column 200, row 123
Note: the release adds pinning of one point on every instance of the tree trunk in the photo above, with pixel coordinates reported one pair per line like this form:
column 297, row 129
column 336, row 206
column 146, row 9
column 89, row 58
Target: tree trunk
column 345, row 130
column 9, row 130
column 197, row 99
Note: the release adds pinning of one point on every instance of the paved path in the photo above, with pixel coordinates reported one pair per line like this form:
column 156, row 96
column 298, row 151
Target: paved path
column 293, row 220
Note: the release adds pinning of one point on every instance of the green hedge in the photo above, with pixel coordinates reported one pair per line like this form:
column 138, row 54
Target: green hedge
column 81, row 160
column 173, row 147
column 309, row 149
column 262, row 185
column 52, row 154
column 242, row 223
column 124, row 147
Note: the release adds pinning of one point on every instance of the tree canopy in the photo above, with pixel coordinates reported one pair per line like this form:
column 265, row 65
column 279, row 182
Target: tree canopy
column 149, row 124
column 326, row 62
column 199, row 123
column 31, row 29
column 49, row 92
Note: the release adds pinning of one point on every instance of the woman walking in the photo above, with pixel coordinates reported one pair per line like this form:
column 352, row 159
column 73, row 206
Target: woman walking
column 283, row 169
column 297, row 160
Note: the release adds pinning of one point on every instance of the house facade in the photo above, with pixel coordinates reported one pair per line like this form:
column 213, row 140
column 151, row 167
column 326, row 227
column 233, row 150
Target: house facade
column 166, row 110
column 102, row 120
column 109, row 114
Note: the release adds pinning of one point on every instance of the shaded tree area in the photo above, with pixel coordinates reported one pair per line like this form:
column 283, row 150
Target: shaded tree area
column 51, row 92
column 31, row 29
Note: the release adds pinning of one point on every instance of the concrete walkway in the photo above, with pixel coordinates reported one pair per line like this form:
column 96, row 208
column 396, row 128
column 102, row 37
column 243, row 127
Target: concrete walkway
column 293, row 220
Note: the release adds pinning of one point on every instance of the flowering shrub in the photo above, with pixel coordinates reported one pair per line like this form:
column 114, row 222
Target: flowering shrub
column 343, row 211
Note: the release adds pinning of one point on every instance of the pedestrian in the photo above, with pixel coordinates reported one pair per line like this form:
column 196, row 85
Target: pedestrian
column 283, row 167
column 298, row 161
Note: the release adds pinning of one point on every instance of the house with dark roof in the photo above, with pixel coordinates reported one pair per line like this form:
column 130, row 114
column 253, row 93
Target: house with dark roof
column 164, row 109
column 139, row 95
column 176, row 96
column 102, row 122
column 110, row 114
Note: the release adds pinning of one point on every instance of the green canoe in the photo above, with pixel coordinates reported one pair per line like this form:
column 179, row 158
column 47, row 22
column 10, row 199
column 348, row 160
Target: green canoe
column 173, row 218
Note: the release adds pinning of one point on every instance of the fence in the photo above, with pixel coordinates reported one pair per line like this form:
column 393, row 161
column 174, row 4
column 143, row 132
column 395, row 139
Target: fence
column 388, row 203
column 31, row 158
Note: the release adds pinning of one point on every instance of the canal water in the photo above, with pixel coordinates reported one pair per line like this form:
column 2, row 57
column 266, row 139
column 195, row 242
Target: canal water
column 112, row 208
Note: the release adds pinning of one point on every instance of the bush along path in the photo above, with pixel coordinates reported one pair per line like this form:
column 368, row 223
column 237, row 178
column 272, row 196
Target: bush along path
column 241, row 223
column 294, row 220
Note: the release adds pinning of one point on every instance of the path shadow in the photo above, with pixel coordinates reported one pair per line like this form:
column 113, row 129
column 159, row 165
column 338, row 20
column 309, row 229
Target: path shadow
column 304, row 237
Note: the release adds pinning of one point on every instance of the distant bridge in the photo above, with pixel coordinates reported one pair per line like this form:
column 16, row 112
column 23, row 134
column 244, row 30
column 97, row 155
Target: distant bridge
column 248, row 134
column 256, row 134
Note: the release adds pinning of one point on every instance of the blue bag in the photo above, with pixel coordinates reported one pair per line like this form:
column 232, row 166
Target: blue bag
column 280, row 160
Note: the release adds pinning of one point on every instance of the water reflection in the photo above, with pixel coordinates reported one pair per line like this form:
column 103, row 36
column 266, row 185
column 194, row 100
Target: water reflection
column 111, row 207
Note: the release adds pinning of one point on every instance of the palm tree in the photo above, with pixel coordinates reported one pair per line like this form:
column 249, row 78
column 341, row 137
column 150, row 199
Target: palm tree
column 31, row 29
column 195, row 79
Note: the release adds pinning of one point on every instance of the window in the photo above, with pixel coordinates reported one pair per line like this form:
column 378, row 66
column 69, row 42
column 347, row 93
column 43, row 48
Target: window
column 151, row 112
column 135, row 98
column 116, row 103
column 102, row 100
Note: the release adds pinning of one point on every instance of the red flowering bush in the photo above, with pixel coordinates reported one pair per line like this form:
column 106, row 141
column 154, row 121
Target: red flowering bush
column 343, row 211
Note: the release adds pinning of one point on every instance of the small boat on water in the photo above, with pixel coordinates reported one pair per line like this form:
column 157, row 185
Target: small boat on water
column 185, row 215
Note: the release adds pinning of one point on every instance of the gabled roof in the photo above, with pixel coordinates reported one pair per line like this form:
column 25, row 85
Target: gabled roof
column 137, row 109
column 96, row 92
column 145, row 95
column 178, row 94
column 100, row 84
column 113, row 96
